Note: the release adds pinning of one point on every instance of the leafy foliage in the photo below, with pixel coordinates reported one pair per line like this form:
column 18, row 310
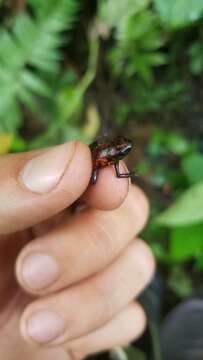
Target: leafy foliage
column 186, row 210
column 115, row 14
column 29, row 51
column 186, row 242
column 142, row 30
column 138, row 38
column 177, row 13
column 192, row 166
column 196, row 57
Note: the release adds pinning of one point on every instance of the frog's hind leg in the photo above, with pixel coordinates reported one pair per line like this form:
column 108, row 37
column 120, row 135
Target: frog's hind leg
column 124, row 175
column 94, row 176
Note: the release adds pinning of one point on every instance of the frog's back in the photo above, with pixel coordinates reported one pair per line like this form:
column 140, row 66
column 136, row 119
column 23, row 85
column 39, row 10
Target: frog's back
column 103, row 154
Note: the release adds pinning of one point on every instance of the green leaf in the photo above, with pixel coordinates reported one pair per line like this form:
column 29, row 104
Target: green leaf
column 196, row 57
column 13, row 118
column 135, row 353
column 180, row 282
column 34, row 83
column 129, row 353
column 139, row 39
column 114, row 12
column 178, row 13
column 199, row 264
column 177, row 144
column 186, row 242
column 18, row 144
column 188, row 209
column 192, row 166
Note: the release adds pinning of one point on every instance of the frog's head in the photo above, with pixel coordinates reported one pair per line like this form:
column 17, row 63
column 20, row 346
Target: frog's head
column 123, row 146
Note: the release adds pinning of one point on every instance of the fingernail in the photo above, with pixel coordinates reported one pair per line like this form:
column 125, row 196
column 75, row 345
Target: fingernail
column 39, row 271
column 45, row 326
column 43, row 172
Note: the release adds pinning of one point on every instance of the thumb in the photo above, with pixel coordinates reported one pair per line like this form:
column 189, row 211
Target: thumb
column 38, row 184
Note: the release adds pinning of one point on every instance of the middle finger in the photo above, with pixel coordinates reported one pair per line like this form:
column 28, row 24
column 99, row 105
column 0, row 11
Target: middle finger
column 82, row 247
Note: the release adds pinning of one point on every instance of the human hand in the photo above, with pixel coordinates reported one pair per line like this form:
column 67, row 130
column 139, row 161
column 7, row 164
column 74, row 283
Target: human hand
column 78, row 274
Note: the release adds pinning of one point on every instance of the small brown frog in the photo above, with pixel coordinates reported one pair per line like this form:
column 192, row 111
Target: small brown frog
column 105, row 153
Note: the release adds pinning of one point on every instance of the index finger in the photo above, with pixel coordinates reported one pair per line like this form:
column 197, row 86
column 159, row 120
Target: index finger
column 36, row 185
column 39, row 184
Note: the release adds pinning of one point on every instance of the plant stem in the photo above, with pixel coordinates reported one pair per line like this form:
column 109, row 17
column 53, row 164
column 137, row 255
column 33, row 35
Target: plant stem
column 17, row 5
column 118, row 354
column 155, row 341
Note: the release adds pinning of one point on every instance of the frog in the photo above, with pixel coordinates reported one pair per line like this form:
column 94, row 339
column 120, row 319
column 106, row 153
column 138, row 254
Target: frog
column 107, row 153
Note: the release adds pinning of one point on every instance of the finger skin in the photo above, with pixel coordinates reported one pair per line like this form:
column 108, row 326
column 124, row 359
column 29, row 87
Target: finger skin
column 87, row 244
column 21, row 208
column 109, row 191
column 95, row 301
column 132, row 321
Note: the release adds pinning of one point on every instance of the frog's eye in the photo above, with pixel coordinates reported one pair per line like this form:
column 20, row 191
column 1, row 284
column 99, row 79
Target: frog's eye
column 122, row 141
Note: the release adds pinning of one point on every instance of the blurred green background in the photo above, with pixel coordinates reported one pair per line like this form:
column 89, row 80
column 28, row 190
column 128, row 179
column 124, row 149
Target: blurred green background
column 76, row 69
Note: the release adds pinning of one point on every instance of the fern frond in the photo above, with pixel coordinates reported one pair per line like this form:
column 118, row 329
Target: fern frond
column 138, row 38
column 138, row 48
column 29, row 50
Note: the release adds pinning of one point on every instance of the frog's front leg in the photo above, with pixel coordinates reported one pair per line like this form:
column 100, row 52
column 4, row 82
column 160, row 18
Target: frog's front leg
column 94, row 176
column 124, row 175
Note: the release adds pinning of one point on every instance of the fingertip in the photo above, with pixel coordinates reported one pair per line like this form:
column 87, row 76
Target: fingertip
column 109, row 192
